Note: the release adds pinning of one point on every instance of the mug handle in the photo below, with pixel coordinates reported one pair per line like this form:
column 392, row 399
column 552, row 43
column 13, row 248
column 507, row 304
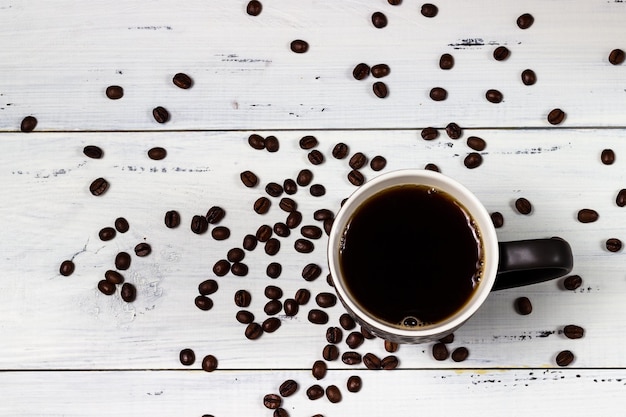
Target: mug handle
column 526, row 262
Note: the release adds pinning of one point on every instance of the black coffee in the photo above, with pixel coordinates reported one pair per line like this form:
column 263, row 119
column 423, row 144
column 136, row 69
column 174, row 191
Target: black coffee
column 411, row 256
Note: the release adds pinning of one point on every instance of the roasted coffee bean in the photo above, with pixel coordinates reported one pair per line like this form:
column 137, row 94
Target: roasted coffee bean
column 351, row 358
column 617, row 56
column 326, row 299
column 564, row 358
column 556, row 116
column 256, row 141
column 317, row 190
column 157, row 153
column 302, row 296
column 244, row 317
column 264, row 233
column 432, row 167
column 143, row 249
column 287, row 204
column 340, row 151
column 182, row 80
column 262, row 205
column 288, row 388
column 328, row 224
column 380, row 70
column 459, row 354
column 272, row 144
column 273, row 307
column 323, row 214
column 523, row 206
column 613, row 244
column 315, row 157
column 291, row 307
column 523, row 306
column 122, row 261
column 390, row 346
column 501, row 53
column 316, row 316
column 473, row 160
column 199, row 224
column 121, row 225
column 329, row 280
column 319, row 369
column 220, row 233
column 67, row 268
column 315, row 392
column 235, row 255
column 209, row 363
column 587, row 215
column 239, row 269
column 311, row 232
column 272, row 401
column 334, row 335
column 242, row 298
column 378, row 163
column 311, row 272
column 354, row 340
column 28, row 124
column 607, row 156
column 429, row 10
column 354, row 383
column 273, row 292
column 447, row 339
column 380, row 89
column 394, row 2
column 347, row 322
column 371, row 361
column 290, row 186
column 114, row 92
column 476, row 143
column 187, row 357
column 293, row 219
column 221, row 267
column 249, row 242
column 308, row 142
column 207, row 287
column 389, row 362
column 160, row 114
column 107, row 233
column 620, row 199
column 303, row 246
column 497, row 219
column 271, row 324
column 272, row 246
column 438, row 94
column 494, row 96
column 93, row 152
column 249, row 179
column 356, row 177
column 274, row 270
column 571, row 331
column 254, row 8
column 379, row 20
column 106, row 287
column 281, row 229
column 333, row 393
column 525, row 21
column 361, row 71
column 99, row 186
column 113, row 277
column 274, row 189
column 572, row 282
column 299, row 46
column 203, row 303
column 357, row 161
column 529, row 77
column 330, row 352
column 454, row 131
column 440, row 351
column 253, row 331
column 446, row 62
column 215, row 214
column 429, row 133
column 172, row 219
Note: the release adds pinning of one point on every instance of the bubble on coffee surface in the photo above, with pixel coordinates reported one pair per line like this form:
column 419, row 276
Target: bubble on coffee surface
column 412, row 322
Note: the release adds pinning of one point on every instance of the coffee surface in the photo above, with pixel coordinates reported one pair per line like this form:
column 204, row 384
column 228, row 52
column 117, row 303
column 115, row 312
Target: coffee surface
column 411, row 256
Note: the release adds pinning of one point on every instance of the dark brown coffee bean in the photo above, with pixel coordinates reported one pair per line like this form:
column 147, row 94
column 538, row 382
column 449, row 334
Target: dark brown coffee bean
column 501, row 53
column 254, row 8
column 107, row 233
column 93, row 152
column 438, row 94
column 367, row 334
column 447, row 339
column 264, row 233
column 106, row 287
column 315, row 392
column 529, row 77
column 333, row 393
column 334, row 335
column 253, row 331
column 293, row 219
column 288, row 388
column 351, row 358
column 473, row 160
column 271, row 324
column 620, row 199
column 272, row 144
column 523, row 306
column 299, row 46
column 209, row 363
column 380, row 89
column 523, row 206
column 274, row 189
column 143, row 249
column 99, row 186
column 203, row 303
column 446, row 62
column 290, row 186
column 114, row 92
column 315, row 157
column 272, row 246
column 317, row 190
column 207, row 287
column 215, row 214
column 319, row 369
column 379, row 20
column 494, row 96
column 354, row 340
column 587, row 215
column 281, row 229
column 556, row 116
column 311, row 232
column 28, row 124
column 354, row 383
column 262, row 205
column 497, row 219
column 525, row 21
column 220, row 233
column 302, row 296
column 564, row 358
column 429, row 133
column 429, row 10
column 326, row 299
column 361, row 71
column 380, row 70
column 160, row 114
column 356, row 177
column 607, row 156
column 440, row 351
column 199, row 224
column 572, row 282
column 157, row 153
column 187, row 357
column 330, row 352
column 182, row 80
column 311, row 272
column 459, row 354
column 316, row 316
column 221, row 267
column 432, row 167
column 303, row 246
column 378, row 163
column 454, row 131
column 122, row 261
column 256, row 141
column 571, row 331
column 308, row 142
column 235, row 255
column 291, row 307
column 371, row 361
column 272, row 401
column 67, row 268
column 249, row 179
column 357, row 161
column 287, row 204
column 324, row 214
column 340, row 151
column 113, row 277
column 273, row 307
column 244, row 317
column 617, row 56
column 242, row 298
column 274, row 270
column 273, row 292
column 239, row 269
column 328, row 224
column 476, row 143
column 389, row 362
column 249, row 242
column 390, row 346
column 172, row 219
column 613, row 244
column 347, row 322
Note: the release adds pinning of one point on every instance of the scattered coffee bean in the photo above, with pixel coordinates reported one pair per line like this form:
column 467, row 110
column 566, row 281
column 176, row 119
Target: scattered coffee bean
column 440, row 351
column 272, row 246
column 429, row 133
column 221, row 267
column 93, row 151
column 160, row 114
column 317, row 190
column 207, row 287
column 288, row 388
column 220, row 233
column 432, row 167
column 199, row 224
column 564, row 358
column 249, row 179
column 394, row 2
column 274, row 189
column 523, row 206
column 446, row 62
column 447, row 339
column 303, row 246
column 28, row 124
column 215, row 214
column 249, row 242
column 114, row 92
column 106, row 287
column 311, row 232
column 256, row 141
column 378, row 163
column 274, row 270
column 459, row 354
column 379, row 20
column 157, row 153
column 357, row 161
column 334, row 335
column 182, row 80
column 272, row 144
column 319, row 369
column 354, row 383
column 438, row 94
column 476, row 143
column 107, row 233
column 293, row 219
column 253, row 331
column 497, row 219
column 390, row 346
column 281, row 229
column 571, row 331
column 587, row 215
column 454, row 131
column 617, row 56
column 209, row 363
column 501, row 53
column 143, row 249
column 355, row 339
column 254, row 8
column 242, row 298
column 556, row 116
column 172, row 219
column 613, row 245
column 187, row 357
column 235, row 255
column 333, row 393
column 113, row 277
column 494, row 96
column 287, row 204
column 299, row 46
column 572, row 282
column 273, row 307
column 128, row 292
column 324, row 214
column 389, row 362
column 291, row 307
column 361, row 71
column 264, row 233
column 99, row 186
column 326, row 299
column 290, row 186
column 607, row 156
column 311, row 272
column 273, row 292
column 525, row 21
column 620, row 199
column 529, row 77
column 371, row 361
column 122, row 261
column 330, row 353
column 356, row 177
column 328, row 224
column 308, row 142
column 239, row 269
column 380, row 70
column 302, row 296
column 340, row 151
column 271, row 324
column 262, row 205
column 473, row 160
column 523, row 306
column 429, row 10
column 272, row 401
column 316, row 316
column 380, row 89
column 351, row 358
column 203, row 303
column 67, row 268
column 315, row 157
column 315, row 392
column 347, row 322
column 244, row 317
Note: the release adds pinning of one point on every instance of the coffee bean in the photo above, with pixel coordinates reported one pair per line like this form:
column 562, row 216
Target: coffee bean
column 303, row 246
column 288, row 388
column 315, row 157
column 311, row 232
column 107, row 233
column 172, row 219
column 143, row 249
column 316, row 316
column 256, row 141
column 446, row 62
column 207, row 287
column 367, row 334
column 429, row 133
column 67, row 268
column 529, row 77
column 501, row 53
column 28, row 124
column 308, row 142
column 239, row 269
column 319, row 369
column 334, row 335
column 199, row 224
column 215, row 214
column 249, row 179
column 357, row 161
column 440, row 351
column 253, row 331
column 262, row 205
column 438, row 94
column 264, row 233
column 315, row 392
column 356, row 177
column 355, row 339
column 556, row 116
column 459, row 354
column 254, row 8
column 113, row 277
column 311, row 272
column 497, row 219
column 378, row 163
column 523, row 306
column 379, row 20
column 330, row 352
column 390, row 346
column 587, row 215
column 361, row 71
column 351, row 358
column 272, row 144
column 106, row 287
column 389, row 362
column 281, row 229
column 317, row 190
column 122, row 261
column 354, row 383
column 564, row 358
column 371, row 361
column 394, row 2
column 476, row 143
column 432, row 167
column 272, row 246
column 523, row 206
column 453, row 131
column 114, row 92
column 93, row 152
column 160, row 114
column 157, row 153
column 299, row 46
column 473, row 160
column 203, row 303
column 494, row 96
column 380, row 89
column 328, row 224
column 272, row 401
column 572, row 331
column 347, row 322
column 620, row 199
column 572, row 282
column 302, row 296
column 99, row 186
column 607, row 156
column 333, row 393
column 221, row 267
column 242, row 298
column 290, row 186
column 249, row 242
column 613, row 245
column 274, row 270
column 287, row 204
column 244, row 317
column 182, row 80
column 209, row 363
column 429, row 10
column 525, row 21
column 235, row 255
column 380, row 70
column 617, row 56
column 326, row 299
column 187, row 357
column 324, row 214
column 273, row 292
column 274, row 189
column 340, row 151
column 220, row 233
column 273, row 307
column 291, row 307
column 271, row 324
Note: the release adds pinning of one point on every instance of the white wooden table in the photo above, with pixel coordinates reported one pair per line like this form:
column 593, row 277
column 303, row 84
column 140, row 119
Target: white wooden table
column 67, row 349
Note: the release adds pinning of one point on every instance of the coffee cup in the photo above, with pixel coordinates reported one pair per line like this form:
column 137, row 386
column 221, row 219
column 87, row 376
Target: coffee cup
column 414, row 254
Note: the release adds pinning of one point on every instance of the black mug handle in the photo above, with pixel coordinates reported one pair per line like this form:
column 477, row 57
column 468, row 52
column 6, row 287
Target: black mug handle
column 526, row 262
